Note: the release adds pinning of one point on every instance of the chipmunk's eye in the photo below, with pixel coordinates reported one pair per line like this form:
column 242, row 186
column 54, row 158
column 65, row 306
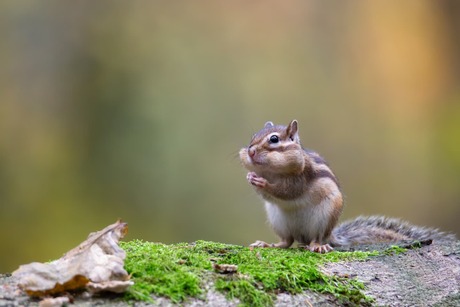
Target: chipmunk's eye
column 274, row 139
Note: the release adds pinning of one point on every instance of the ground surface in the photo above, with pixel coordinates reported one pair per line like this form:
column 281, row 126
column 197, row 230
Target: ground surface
column 425, row 276
column 428, row 276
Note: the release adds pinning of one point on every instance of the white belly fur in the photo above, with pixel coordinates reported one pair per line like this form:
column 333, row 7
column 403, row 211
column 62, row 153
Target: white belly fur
column 299, row 219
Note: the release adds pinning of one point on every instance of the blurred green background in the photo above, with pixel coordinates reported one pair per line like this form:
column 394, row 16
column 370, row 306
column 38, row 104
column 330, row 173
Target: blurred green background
column 137, row 109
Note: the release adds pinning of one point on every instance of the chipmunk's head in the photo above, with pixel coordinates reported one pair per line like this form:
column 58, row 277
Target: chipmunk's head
column 275, row 149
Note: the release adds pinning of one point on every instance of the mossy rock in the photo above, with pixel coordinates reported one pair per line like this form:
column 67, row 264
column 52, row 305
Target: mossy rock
column 185, row 274
column 182, row 271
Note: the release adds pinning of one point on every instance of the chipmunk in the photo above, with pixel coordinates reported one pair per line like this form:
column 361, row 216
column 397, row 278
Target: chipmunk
column 303, row 200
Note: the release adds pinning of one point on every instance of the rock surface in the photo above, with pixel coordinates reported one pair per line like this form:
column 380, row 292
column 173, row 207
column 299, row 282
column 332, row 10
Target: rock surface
column 426, row 276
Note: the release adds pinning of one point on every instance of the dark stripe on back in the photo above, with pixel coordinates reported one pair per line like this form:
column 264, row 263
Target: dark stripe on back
column 315, row 156
column 326, row 174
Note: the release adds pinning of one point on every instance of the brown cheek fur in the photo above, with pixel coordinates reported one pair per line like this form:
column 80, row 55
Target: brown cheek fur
column 244, row 158
column 287, row 162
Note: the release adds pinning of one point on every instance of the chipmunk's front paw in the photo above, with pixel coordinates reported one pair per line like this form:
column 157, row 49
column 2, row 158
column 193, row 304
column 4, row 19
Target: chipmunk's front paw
column 256, row 181
column 318, row 248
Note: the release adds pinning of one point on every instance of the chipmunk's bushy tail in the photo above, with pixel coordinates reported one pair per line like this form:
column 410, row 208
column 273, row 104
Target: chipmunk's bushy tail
column 380, row 229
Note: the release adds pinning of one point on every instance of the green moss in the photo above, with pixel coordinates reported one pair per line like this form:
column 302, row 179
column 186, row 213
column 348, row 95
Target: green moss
column 179, row 271
column 396, row 249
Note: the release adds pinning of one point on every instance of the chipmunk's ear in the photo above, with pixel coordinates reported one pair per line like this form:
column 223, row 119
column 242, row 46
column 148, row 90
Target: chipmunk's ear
column 292, row 131
column 268, row 125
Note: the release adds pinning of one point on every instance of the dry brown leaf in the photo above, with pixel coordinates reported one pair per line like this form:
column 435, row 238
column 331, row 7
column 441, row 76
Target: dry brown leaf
column 99, row 259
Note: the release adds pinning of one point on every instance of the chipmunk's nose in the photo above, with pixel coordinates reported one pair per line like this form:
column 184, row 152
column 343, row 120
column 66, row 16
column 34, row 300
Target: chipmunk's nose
column 251, row 151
